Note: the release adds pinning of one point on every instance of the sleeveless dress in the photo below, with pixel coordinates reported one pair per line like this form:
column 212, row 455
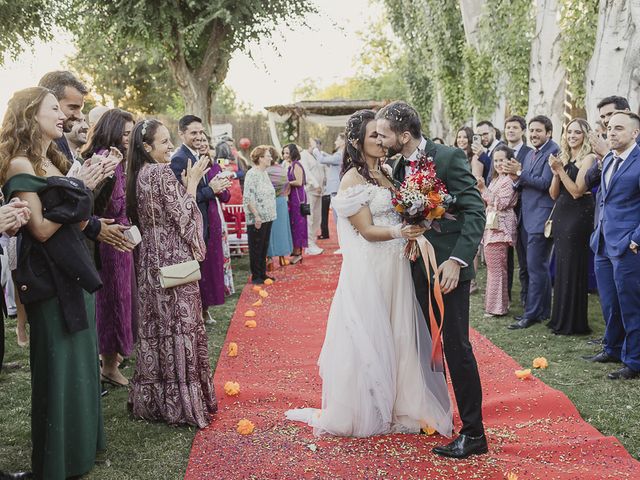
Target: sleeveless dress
column 297, row 195
column 375, row 359
column 572, row 227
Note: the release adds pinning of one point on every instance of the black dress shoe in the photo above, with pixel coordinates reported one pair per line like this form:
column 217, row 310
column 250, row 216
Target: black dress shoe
column 523, row 323
column 16, row 475
column 601, row 357
column 463, row 447
column 517, row 318
column 624, row 373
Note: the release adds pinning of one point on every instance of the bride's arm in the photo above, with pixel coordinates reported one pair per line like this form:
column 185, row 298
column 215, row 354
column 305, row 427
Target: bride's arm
column 362, row 220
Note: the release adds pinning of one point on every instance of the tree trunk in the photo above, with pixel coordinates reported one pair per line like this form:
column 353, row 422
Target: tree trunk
column 547, row 76
column 614, row 68
column 196, row 93
column 437, row 125
column 471, row 11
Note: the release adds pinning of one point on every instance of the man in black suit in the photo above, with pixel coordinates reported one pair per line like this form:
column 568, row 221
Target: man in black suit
column 514, row 133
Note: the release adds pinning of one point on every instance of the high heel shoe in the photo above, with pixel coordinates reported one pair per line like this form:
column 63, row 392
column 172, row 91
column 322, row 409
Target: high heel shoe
column 296, row 259
column 21, row 343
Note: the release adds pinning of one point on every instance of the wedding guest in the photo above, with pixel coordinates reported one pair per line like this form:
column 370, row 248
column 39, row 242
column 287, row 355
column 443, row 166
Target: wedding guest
column 438, row 140
column 533, row 179
column 463, row 140
column 615, row 243
column 172, row 380
column 114, row 301
column 280, row 243
column 77, row 137
column 500, row 234
column 514, row 133
column 260, row 211
column 212, row 268
column 572, row 226
column 334, row 164
column 297, row 196
column 66, row 413
column 315, row 179
column 489, row 140
column 95, row 113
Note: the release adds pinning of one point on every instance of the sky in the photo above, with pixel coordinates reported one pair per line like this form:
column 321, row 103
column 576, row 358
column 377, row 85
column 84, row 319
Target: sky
column 325, row 53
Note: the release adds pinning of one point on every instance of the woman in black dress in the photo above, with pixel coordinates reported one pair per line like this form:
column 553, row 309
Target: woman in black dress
column 572, row 226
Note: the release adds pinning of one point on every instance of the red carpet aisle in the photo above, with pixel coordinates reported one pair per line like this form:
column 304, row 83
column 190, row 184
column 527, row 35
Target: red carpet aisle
column 534, row 431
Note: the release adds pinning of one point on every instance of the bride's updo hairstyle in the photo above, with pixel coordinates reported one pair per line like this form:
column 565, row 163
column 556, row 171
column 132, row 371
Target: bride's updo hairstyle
column 354, row 146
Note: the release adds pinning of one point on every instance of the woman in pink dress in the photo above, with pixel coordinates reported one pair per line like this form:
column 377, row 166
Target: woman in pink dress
column 172, row 379
column 500, row 234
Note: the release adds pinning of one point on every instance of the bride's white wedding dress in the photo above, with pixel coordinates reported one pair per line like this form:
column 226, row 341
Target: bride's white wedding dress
column 374, row 362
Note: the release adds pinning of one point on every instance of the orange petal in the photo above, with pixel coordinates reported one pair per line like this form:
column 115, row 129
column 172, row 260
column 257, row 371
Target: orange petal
column 522, row 374
column 512, row 476
column 263, row 293
column 268, row 281
column 245, row 427
column 249, row 313
column 540, row 362
column 250, row 324
column 232, row 388
column 256, row 288
column 233, row 349
column 428, row 430
column 257, row 303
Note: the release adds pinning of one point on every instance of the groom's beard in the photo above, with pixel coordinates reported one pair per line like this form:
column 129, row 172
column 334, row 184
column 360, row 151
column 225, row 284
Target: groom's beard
column 394, row 150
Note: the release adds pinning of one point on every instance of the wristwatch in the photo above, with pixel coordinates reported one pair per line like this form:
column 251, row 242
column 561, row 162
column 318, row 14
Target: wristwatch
column 518, row 173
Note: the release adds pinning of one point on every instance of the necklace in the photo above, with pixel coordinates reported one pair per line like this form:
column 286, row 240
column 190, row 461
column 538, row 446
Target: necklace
column 46, row 163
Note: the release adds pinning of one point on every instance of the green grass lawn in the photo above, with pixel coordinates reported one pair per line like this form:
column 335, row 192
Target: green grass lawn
column 142, row 450
column 136, row 449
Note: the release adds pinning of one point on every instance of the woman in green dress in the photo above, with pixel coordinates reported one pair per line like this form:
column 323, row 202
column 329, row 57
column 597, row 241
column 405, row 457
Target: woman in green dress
column 66, row 423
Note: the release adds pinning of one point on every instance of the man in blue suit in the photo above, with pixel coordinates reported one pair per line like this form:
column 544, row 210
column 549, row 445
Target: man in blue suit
column 533, row 179
column 615, row 242
column 191, row 131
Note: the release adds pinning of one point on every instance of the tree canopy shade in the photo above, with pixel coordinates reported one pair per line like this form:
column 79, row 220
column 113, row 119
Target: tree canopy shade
column 22, row 22
column 194, row 39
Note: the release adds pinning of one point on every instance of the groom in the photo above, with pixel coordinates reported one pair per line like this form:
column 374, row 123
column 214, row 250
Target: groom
column 399, row 131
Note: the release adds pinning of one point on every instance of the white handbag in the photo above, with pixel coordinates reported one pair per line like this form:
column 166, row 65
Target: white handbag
column 178, row 273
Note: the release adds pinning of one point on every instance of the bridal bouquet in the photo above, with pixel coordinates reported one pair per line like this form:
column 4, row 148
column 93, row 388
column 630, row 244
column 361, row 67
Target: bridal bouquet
column 422, row 199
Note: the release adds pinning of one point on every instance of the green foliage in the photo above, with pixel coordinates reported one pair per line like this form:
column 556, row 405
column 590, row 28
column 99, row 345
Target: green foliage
column 578, row 22
column 507, row 28
column 479, row 83
column 22, row 22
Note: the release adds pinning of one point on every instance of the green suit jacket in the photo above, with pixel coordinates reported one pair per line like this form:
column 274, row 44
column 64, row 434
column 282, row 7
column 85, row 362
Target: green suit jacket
column 458, row 238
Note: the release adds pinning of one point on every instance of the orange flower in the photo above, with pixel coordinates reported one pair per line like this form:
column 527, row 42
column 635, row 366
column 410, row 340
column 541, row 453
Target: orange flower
column 436, row 213
column 249, row 313
column 399, row 208
column 427, row 429
column 232, row 388
column 250, row 324
column 434, row 197
column 258, row 303
column 512, row 476
column 245, row 427
column 523, row 374
column 233, row 349
column 540, row 362
column 263, row 293
column 256, row 288
column 268, row 281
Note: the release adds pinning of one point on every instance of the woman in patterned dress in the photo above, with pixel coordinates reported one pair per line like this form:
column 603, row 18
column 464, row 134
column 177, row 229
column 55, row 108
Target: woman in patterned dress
column 500, row 198
column 172, row 379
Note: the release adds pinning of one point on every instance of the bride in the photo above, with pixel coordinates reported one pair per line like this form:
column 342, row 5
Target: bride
column 374, row 362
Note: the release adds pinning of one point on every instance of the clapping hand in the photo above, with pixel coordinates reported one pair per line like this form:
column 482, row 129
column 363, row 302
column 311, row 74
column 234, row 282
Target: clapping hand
column 194, row 173
column 512, row 167
column 598, row 144
column 219, row 183
column 14, row 216
column 555, row 164
column 91, row 173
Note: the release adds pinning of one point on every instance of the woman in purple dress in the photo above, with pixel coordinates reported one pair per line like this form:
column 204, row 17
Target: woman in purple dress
column 114, row 301
column 172, row 381
column 212, row 269
column 297, row 195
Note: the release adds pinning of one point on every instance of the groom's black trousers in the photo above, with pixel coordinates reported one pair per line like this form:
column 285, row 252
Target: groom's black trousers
column 460, row 360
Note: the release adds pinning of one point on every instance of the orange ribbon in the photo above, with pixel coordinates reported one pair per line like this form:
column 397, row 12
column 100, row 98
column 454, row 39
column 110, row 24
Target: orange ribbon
column 430, row 264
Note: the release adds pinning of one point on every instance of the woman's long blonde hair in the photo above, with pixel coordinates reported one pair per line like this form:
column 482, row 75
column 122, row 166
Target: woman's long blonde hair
column 565, row 150
column 20, row 134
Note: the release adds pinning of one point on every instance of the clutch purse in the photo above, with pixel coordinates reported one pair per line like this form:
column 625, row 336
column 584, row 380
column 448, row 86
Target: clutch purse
column 493, row 221
column 180, row 274
column 548, row 225
column 305, row 209
column 133, row 235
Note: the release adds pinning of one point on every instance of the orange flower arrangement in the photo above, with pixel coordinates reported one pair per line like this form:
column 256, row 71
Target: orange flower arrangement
column 232, row 349
column 263, row 293
column 232, row 388
column 249, row 313
column 523, row 374
column 245, row 427
column 257, row 303
column 250, row 324
column 540, row 362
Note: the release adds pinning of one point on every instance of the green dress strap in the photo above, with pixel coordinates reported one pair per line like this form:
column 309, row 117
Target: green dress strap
column 23, row 182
